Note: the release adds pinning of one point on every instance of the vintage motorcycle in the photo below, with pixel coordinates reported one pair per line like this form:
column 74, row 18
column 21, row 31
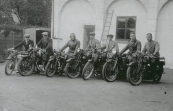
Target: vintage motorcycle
column 75, row 64
column 11, row 62
column 94, row 65
column 147, row 67
column 56, row 64
column 31, row 61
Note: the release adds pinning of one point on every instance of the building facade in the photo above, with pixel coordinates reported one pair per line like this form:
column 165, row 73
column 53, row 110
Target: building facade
column 141, row 16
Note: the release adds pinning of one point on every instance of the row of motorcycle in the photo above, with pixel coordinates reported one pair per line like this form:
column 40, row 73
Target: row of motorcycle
column 92, row 65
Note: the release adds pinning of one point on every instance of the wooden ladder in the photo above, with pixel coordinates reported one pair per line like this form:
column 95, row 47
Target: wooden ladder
column 106, row 27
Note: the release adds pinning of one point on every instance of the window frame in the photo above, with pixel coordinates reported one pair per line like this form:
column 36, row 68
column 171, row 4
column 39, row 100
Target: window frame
column 124, row 40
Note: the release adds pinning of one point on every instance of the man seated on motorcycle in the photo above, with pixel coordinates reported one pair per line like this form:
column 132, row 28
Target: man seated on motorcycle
column 109, row 46
column 27, row 43
column 73, row 45
column 92, row 44
column 134, row 47
column 46, row 45
column 152, row 47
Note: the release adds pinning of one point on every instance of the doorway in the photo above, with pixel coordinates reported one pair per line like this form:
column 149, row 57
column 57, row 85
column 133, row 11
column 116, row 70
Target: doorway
column 87, row 30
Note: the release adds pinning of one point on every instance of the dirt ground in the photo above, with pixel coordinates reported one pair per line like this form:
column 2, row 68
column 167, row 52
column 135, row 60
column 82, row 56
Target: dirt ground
column 40, row 93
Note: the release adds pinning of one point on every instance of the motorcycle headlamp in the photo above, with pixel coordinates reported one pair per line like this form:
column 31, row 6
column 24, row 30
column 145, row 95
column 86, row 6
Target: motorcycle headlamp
column 84, row 57
column 19, row 56
column 51, row 57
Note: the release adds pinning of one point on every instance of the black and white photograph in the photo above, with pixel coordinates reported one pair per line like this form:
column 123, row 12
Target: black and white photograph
column 86, row 55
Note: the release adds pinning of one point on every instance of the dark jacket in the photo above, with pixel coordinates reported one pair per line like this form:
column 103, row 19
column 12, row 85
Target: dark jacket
column 132, row 46
column 47, row 45
column 26, row 45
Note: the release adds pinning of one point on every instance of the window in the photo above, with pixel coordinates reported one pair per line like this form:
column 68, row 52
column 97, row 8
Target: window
column 125, row 25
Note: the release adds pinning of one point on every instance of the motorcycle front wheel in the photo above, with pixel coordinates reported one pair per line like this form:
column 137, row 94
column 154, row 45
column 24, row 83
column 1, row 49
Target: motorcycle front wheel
column 51, row 69
column 134, row 76
column 9, row 67
column 72, row 69
column 110, row 73
column 25, row 67
column 87, row 70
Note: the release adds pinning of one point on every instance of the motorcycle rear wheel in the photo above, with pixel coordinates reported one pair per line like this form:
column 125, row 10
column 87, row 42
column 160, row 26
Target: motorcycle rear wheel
column 9, row 67
column 21, row 67
column 87, row 70
column 157, row 77
column 133, row 77
column 109, row 73
column 71, row 70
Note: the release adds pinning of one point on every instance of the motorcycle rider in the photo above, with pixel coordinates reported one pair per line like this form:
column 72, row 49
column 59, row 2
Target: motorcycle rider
column 109, row 46
column 73, row 45
column 134, row 47
column 152, row 47
column 46, row 45
column 27, row 43
column 92, row 44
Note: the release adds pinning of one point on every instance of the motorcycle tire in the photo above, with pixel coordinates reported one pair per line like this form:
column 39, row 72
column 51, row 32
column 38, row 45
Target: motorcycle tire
column 69, row 70
column 133, row 81
column 157, row 77
column 85, row 69
column 107, row 70
column 9, row 66
column 20, row 70
column 50, row 69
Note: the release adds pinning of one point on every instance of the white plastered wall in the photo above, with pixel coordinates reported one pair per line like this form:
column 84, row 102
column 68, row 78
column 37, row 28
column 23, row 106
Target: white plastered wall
column 164, row 33
column 130, row 8
column 73, row 17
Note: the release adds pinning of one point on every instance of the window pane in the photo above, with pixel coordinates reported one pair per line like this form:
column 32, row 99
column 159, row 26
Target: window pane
column 120, row 33
column 128, row 33
column 121, row 22
column 131, row 22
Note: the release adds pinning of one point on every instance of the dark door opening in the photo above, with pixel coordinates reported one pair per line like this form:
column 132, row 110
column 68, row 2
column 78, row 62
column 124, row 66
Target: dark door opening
column 87, row 30
column 39, row 35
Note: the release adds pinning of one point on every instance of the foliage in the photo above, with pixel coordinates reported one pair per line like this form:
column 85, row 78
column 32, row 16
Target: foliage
column 31, row 12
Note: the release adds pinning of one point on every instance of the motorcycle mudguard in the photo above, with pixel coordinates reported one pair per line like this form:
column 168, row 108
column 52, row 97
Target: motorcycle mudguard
column 162, row 61
column 69, row 60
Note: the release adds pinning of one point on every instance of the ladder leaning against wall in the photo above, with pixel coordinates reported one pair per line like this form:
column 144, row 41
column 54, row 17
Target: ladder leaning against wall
column 106, row 27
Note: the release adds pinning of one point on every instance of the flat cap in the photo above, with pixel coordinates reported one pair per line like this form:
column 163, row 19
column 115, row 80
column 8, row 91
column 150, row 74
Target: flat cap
column 92, row 33
column 72, row 34
column 110, row 35
column 45, row 33
column 26, row 35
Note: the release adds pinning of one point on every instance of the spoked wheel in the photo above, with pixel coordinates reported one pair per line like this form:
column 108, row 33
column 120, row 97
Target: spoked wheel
column 9, row 67
column 72, row 69
column 87, row 70
column 110, row 71
column 134, row 76
column 158, row 74
column 51, row 69
column 25, row 67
